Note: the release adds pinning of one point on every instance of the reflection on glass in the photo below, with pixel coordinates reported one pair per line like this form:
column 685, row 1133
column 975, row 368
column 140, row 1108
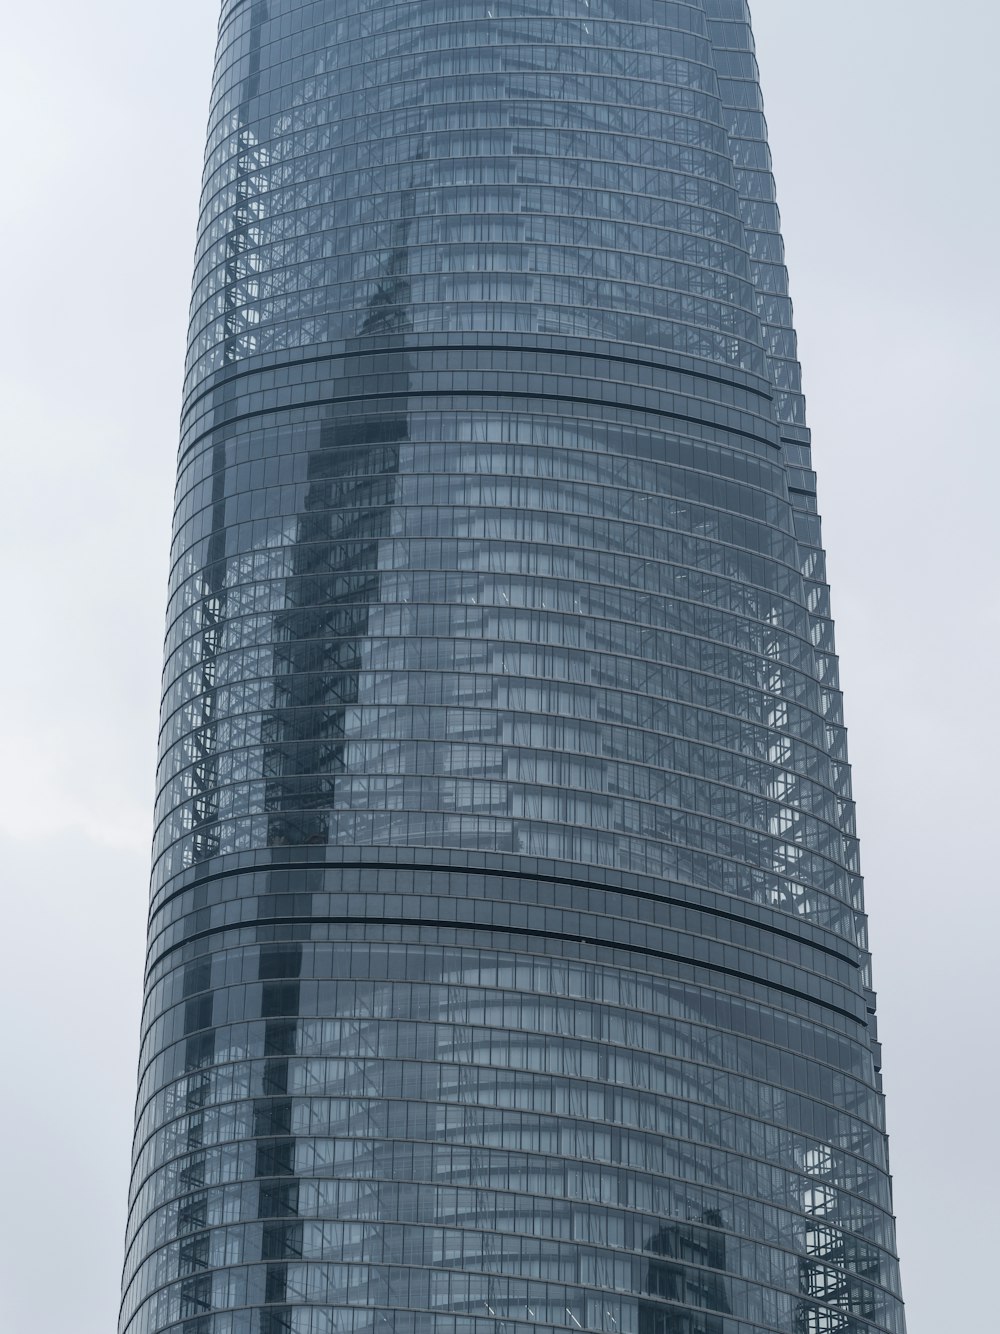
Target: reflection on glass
column 507, row 960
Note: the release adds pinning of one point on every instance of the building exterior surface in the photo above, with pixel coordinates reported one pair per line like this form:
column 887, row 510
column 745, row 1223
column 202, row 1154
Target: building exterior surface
column 507, row 953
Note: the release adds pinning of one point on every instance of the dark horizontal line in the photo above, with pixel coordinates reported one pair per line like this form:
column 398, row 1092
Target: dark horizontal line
column 462, row 346
column 646, row 895
column 504, row 930
column 476, row 393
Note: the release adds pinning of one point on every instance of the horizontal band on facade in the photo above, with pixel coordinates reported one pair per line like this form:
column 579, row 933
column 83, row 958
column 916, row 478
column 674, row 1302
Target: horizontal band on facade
column 694, row 941
column 395, row 403
column 500, row 929
column 455, row 341
column 751, row 914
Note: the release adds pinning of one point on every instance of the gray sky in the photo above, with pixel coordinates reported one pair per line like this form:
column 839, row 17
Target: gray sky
column 881, row 116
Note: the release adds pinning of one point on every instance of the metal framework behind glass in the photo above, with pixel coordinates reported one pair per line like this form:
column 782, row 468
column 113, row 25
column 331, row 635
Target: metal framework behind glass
column 507, row 963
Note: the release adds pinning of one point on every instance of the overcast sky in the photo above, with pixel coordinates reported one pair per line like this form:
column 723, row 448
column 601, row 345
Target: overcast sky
column 882, row 126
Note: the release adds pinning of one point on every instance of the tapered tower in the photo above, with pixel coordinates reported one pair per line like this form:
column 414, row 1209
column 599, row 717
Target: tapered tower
column 507, row 965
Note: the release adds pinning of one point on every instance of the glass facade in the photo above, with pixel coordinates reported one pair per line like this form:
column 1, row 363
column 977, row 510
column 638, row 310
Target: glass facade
column 507, row 959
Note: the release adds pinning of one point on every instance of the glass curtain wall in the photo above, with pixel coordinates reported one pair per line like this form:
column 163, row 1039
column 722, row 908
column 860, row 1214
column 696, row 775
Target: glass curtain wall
column 507, row 964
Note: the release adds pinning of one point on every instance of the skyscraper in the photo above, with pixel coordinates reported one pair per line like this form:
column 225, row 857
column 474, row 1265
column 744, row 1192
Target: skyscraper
column 507, row 956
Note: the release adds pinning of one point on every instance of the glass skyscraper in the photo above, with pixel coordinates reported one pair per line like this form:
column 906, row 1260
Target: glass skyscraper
column 507, row 963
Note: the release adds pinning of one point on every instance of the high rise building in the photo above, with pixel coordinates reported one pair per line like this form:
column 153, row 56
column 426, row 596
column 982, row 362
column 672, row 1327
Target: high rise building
column 507, row 960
